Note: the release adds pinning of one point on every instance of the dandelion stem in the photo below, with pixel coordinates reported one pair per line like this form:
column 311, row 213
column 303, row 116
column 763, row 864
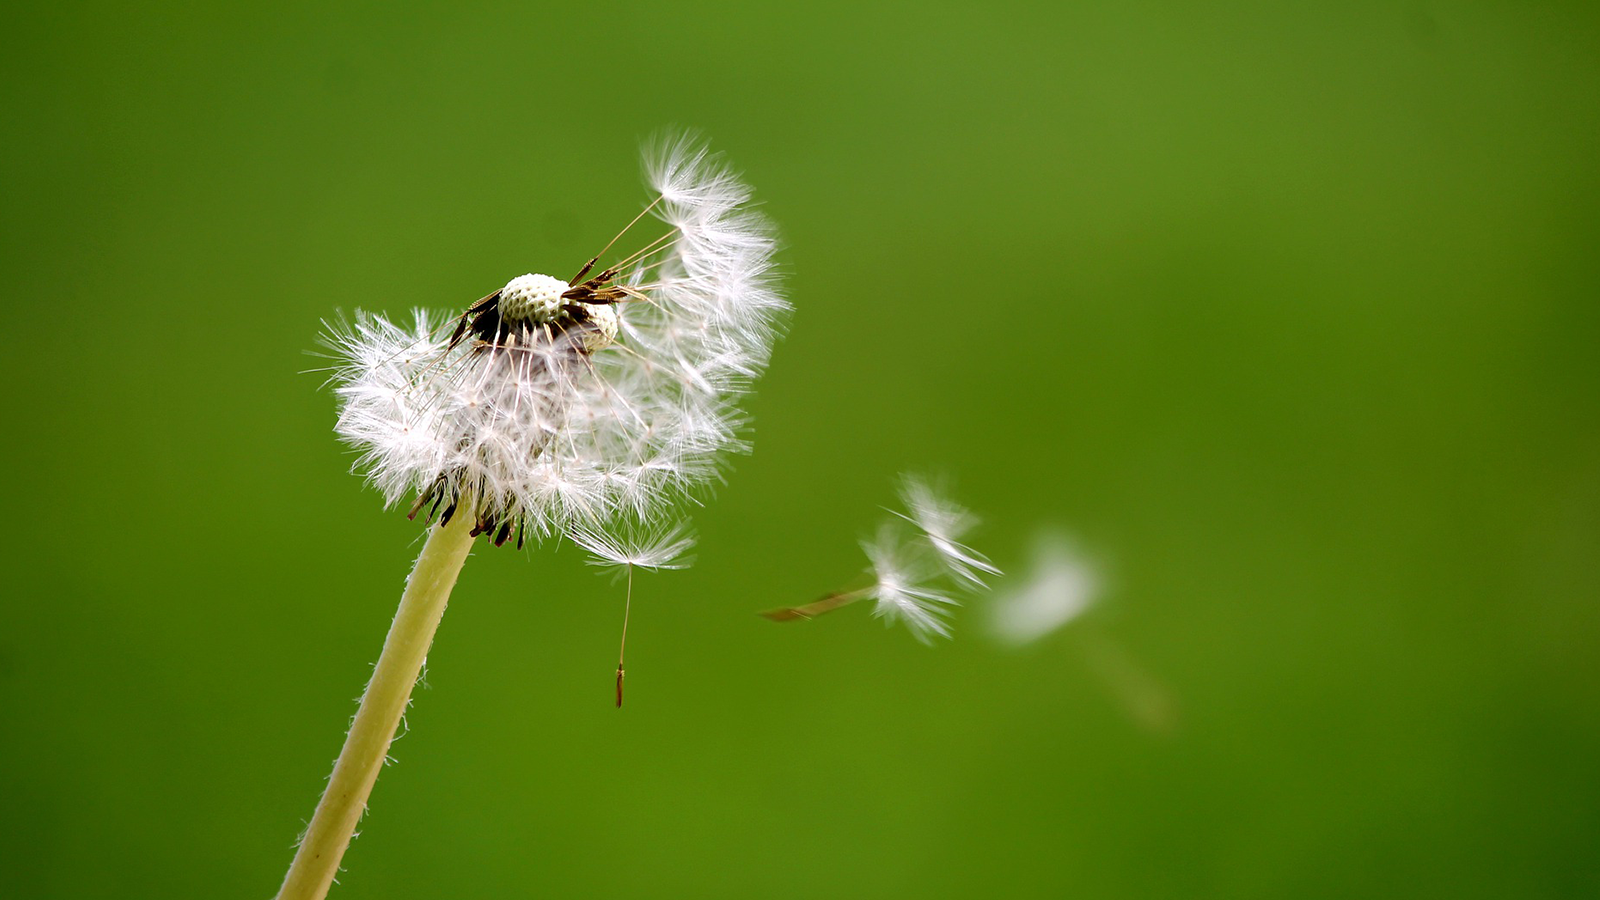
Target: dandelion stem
column 382, row 704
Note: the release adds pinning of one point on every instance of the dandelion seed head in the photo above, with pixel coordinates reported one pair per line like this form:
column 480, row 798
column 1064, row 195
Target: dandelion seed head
column 553, row 406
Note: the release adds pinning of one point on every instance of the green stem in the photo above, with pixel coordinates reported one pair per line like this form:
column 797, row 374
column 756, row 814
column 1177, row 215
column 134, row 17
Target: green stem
column 387, row 694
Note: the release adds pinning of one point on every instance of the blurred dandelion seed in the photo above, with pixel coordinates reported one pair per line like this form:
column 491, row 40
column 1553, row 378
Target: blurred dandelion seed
column 1058, row 587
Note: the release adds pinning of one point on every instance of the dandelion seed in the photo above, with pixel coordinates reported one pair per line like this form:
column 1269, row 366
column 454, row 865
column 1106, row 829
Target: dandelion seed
column 916, row 566
column 1058, row 589
column 662, row 548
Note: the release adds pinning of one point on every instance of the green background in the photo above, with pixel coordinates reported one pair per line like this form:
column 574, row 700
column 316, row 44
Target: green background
column 1287, row 312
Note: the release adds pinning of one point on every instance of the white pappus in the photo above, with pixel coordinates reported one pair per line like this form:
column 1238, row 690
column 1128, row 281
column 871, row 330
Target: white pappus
column 644, row 548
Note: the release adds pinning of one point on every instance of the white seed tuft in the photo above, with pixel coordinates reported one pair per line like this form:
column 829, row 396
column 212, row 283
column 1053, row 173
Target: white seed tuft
column 944, row 523
column 902, row 584
column 664, row 547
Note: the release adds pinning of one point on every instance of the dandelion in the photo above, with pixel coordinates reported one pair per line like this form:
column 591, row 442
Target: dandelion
column 915, row 571
column 554, row 404
column 550, row 407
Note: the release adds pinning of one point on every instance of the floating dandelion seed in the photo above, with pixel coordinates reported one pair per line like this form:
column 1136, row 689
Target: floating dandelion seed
column 550, row 406
column 1059, row 591
column 662, row 548
column 916, row 563
column 1059, row 587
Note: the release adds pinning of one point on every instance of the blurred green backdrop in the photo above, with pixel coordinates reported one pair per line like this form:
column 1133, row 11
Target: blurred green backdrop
column 1288, row 312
